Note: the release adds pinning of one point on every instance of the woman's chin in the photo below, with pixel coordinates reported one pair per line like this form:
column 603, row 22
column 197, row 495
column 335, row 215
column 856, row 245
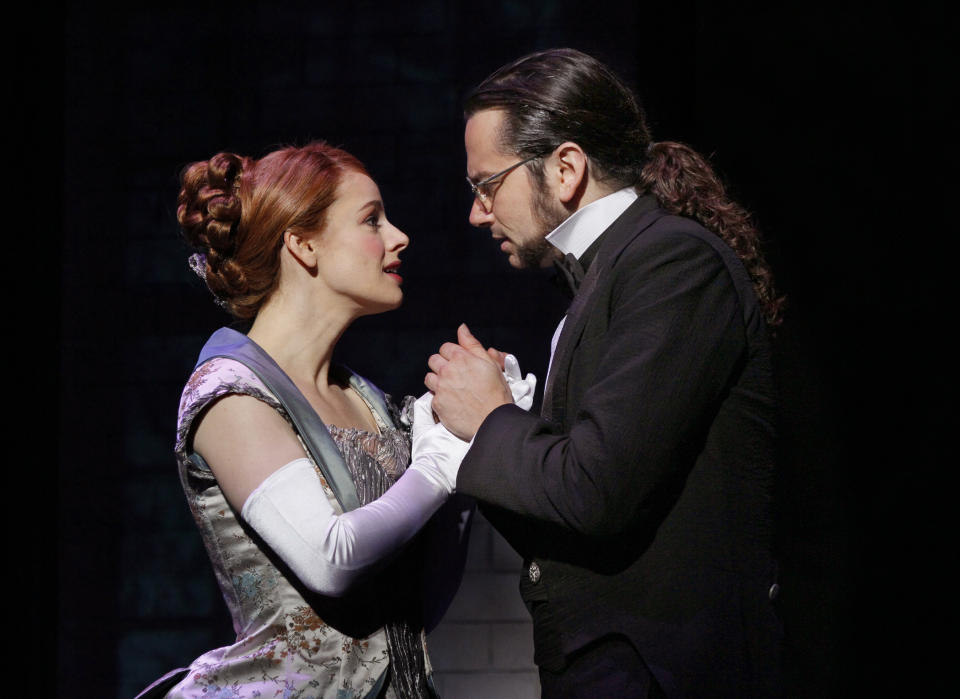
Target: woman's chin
column 370, row 307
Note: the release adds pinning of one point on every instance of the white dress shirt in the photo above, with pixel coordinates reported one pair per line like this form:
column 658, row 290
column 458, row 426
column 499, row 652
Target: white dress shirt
column 581, row 229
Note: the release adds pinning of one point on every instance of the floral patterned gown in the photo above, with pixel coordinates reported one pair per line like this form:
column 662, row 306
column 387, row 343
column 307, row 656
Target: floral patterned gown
column 290, row 642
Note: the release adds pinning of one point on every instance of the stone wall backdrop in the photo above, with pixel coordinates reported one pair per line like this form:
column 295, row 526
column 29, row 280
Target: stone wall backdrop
column 805, row 111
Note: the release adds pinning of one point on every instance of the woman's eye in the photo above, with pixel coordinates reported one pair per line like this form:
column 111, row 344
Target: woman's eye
column 373, row 220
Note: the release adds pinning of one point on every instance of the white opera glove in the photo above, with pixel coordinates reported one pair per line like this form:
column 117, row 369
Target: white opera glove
column 436, row 452
column 521, row 389
column 327, row 551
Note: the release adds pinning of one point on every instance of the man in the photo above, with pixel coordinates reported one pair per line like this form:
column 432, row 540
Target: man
column 640, row 498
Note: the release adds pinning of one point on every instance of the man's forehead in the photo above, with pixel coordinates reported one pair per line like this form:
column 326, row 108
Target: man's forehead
column 482, row 141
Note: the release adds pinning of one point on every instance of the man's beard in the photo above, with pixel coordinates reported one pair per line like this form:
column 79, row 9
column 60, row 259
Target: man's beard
column 547, row 215
column 536, row 253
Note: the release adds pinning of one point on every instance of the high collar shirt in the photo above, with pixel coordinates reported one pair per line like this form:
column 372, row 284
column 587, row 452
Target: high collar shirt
column 579, row 231
column 585, row 225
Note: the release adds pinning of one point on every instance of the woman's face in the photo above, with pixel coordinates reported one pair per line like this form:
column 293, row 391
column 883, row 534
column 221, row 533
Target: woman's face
column 359, row 249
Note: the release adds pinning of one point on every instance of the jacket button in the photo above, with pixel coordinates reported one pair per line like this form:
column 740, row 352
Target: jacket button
column 774, row 591
column 534, row 573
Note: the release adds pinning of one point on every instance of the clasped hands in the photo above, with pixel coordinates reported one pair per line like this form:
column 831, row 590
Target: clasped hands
column 468, row 382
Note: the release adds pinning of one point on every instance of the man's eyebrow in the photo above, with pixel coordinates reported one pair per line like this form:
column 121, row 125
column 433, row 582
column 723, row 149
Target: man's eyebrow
column 480, row 176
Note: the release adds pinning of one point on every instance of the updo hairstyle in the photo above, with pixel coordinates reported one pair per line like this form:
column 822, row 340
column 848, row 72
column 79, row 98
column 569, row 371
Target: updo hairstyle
column 235, row 210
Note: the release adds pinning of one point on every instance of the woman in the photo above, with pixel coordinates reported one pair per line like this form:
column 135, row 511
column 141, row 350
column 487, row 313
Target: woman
column 325, row 603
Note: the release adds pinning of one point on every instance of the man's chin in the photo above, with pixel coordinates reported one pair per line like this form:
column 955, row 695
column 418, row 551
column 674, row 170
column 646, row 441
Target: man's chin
column 515, row 257
column 515, row 261
column 533, row 255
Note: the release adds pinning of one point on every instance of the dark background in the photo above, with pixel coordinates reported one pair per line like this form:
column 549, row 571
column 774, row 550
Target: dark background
column 823, row 119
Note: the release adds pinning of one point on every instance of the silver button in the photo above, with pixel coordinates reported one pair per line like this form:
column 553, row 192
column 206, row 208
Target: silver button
column 774, row 591
column 534, row 573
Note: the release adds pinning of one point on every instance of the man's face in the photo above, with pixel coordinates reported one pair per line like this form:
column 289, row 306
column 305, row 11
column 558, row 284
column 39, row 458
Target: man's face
column 516, row 212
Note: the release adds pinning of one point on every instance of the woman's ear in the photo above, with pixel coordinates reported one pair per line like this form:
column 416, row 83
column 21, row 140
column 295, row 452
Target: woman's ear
column 303, row 248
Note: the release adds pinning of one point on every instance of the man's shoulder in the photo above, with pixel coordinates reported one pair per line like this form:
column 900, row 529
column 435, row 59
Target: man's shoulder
column 644, row 224
column 669, row 234
column 680, row 230
column 678, row 248
column 676, row 236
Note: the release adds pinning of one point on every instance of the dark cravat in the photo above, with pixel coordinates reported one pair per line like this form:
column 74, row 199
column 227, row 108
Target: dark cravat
column 569, row 274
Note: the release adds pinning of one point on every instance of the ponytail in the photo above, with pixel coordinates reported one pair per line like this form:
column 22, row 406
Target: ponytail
column 685, row 185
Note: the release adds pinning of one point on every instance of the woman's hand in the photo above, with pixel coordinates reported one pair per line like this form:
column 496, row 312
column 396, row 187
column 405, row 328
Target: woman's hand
column 521, row 389
column 436, row 453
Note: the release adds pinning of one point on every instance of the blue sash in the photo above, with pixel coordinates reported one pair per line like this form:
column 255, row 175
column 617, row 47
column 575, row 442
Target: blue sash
column 237, row 346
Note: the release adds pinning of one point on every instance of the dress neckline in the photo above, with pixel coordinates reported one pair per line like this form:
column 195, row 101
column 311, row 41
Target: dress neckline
column 377, row 420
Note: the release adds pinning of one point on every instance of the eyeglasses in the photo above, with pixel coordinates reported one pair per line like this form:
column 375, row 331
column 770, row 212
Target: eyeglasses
column 481, row 190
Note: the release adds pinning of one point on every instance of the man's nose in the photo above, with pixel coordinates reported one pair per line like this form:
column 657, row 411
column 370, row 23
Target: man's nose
column 479, row 216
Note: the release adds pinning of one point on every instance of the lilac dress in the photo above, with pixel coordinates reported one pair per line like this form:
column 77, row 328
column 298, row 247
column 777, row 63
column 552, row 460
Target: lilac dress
column 290, row 642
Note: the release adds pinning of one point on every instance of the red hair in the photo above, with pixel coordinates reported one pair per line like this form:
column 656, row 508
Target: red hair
column 234, row 210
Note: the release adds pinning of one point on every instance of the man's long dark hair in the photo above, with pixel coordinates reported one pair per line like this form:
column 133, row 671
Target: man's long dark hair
column 560, row 95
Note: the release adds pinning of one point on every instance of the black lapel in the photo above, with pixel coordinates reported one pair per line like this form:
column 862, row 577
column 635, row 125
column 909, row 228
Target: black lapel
column 638, row 217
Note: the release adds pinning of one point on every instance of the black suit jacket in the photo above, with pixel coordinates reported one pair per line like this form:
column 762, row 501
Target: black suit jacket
column 642, row 498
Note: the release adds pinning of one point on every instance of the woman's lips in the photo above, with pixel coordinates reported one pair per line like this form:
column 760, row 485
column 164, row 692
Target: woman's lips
column 391, row 271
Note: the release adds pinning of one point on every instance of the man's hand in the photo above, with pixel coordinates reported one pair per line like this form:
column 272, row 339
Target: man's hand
column 467, row 382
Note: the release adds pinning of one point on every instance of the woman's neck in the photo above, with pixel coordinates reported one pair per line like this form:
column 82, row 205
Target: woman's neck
column 300, row 336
